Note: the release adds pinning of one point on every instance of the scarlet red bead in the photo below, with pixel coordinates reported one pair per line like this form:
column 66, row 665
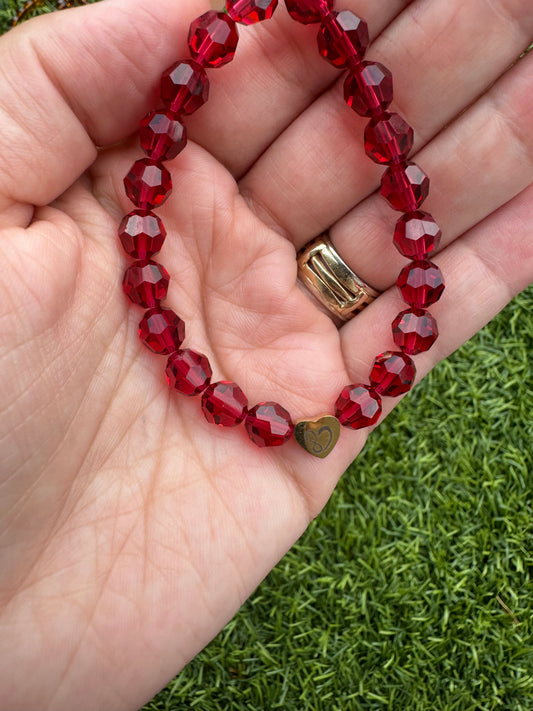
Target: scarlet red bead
column 224, row 404
column 393, row 373
column 162, row 331
column 405, row 187
column 146, row 283
column 269, row 425
column 421, row 283
column 417, row 235
column 308, row 11
column 162, row 136
column 185, row 87
column 368, row 89
column 248, row 12
column 358, row 406
column 343, row 39
column 213, row 39
column 388, row 138
column 414, row 331
column 142, row 234
column 188, row 372
column 148, row 184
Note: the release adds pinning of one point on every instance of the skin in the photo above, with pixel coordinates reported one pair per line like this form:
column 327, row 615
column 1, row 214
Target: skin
column 131, row 529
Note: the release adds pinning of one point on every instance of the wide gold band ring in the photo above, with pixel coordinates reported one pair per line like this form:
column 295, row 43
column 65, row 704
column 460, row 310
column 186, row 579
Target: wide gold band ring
column 331, row 281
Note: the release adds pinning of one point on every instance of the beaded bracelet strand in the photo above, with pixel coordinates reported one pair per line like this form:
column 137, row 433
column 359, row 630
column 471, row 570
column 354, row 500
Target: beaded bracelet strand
column 342, row 40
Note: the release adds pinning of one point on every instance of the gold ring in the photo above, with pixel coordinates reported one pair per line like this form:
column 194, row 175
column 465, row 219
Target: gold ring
column 331, row 280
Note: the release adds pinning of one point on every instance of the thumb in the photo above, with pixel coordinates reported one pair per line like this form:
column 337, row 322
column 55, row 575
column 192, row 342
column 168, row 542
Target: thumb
column 75, row 80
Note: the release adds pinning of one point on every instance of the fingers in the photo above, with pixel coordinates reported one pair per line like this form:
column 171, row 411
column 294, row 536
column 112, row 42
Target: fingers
column 440, row 58
column 485, row 268
column 76, row 80
column 276, row 74
column 478, row 164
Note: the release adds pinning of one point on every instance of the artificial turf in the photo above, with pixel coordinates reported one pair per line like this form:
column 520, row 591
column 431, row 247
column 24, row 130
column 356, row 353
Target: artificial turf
column 413, row 589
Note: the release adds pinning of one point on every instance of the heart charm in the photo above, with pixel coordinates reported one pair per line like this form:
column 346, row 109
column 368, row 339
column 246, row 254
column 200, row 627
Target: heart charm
column 318, row 437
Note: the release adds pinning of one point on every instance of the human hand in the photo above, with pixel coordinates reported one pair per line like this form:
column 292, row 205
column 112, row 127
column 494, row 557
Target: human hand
column 132, row 529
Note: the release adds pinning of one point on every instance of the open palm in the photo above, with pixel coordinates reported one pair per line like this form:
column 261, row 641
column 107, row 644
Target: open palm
column 132, row 530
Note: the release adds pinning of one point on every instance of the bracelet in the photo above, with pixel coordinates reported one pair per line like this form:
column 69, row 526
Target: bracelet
column 342, row 40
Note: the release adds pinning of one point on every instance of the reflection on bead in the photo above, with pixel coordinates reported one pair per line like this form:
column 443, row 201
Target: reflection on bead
column 146, row 283
column 368, row 89
column 392, row 374
column 213, row 39
column 142, row 234
column 249, row 12
column 269, row 425
column 405, row 187
column 184, row 87
column 224, row 404
column 148, row 184
column 414, row 331
column 343, row 39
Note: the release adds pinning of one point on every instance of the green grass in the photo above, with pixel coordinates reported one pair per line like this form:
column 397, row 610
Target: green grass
column 390, row 599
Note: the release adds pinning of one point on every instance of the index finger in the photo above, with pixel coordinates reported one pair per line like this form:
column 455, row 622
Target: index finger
column 75, row 80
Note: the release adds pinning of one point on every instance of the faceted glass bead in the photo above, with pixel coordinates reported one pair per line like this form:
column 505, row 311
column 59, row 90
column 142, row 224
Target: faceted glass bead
column 162, row 136
column 388, row 138
column 248, row 12
column 269, row 425
column 417, row 235
column 146, row 283
column 343, row 39
column 213, row 39
column 405, row 187
column 393, row 373
column 188, row 372
column 368, row 90
column 184, row 87
column 148, row 184
column 224, row 404
column 414, row 331
column 421, row 283
column 358, row 406
column 162, row 331
column 142, row 234
column 309, row 11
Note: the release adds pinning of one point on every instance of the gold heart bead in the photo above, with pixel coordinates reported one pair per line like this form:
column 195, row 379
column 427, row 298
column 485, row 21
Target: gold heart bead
column 318, row 437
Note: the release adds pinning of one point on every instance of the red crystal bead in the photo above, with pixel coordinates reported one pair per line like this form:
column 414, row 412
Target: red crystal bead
column 414, row 331
column 224, row 404
column 343, row 38
column 388, row 138
column 184, row 87
column 358, row 406
column 269, row 425
column 162, row 136
column 405, row 187
column 308, row 11
column 148, row 184
column 248, row 12
column 188, row 372
column 417, row 235
column 146, row 283
column 162, row 331
column 142, row 234
column 213, row 39
column 421, row 283
column 392, row 374
column 368, row 90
